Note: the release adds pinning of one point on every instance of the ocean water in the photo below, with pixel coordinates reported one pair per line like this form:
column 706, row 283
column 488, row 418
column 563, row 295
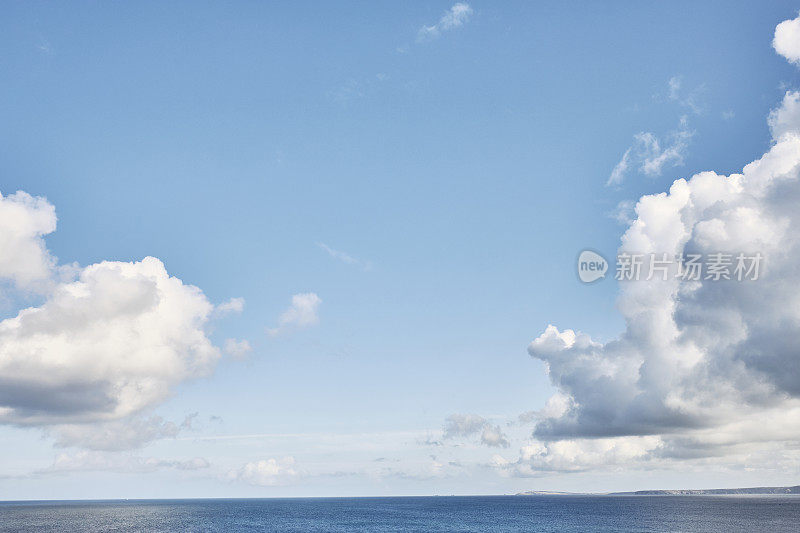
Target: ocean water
column 474, row 513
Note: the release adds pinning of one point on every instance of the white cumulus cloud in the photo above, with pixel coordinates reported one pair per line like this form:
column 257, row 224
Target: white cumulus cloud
column 708, row 368
column 705, row 370
column 105, row 344
column 787, row 39
column 302, row 313
column 267, row 472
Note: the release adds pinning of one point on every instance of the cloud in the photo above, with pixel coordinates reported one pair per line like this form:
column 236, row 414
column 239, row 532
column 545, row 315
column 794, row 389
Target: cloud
column 87, row 461
column 649, row 155
column 570, row 456
column 237, row 349
column 347, row 92
column 704, row 370
column 620, row 169
column 425, row 470
column 787, row 40
column 429, row 441
column 105, row 345
column 692, row 100
column 345, row 257
column 493, row 436
column 232, row 306
column 623, row 212
column 44, row 46
column 116, row 435
column 461, row 425
column 267, row 472
column 24, row 221
column 784, row 120
column 674, row 84
column 554, row 407
column 455, row 17
column 301, row 314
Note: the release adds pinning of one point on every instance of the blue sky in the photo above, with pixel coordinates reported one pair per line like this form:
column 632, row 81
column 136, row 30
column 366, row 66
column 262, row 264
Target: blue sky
column 457, row 171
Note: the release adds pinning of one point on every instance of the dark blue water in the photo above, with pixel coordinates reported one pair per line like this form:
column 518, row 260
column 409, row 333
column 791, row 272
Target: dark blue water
column 476, row 513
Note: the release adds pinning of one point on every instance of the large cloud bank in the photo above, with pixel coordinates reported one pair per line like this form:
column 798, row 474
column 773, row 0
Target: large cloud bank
column 106, row 344
column 706, row 370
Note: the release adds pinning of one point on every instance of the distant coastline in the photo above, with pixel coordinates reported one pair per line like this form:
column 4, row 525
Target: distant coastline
column 674, row 492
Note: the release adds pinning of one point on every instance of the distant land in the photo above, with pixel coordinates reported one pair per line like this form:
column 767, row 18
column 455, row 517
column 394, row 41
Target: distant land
column 672, row 492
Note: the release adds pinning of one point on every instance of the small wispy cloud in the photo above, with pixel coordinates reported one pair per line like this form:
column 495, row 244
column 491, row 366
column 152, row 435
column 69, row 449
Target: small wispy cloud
column 466, row 425
column 346, row 258
column 231, row 306
column 347, row 92
column 674, row 85
column 692, row 100
column 93, row 461
column 302, row 313
column 650, row 155
column 455, row 17
column 355, row 89
column 238, row 349
column 624, row 212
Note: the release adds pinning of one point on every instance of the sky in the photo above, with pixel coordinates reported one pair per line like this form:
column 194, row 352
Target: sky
column 309, row 249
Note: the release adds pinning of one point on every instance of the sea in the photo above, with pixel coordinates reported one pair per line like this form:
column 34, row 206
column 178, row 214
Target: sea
column 717, row 514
